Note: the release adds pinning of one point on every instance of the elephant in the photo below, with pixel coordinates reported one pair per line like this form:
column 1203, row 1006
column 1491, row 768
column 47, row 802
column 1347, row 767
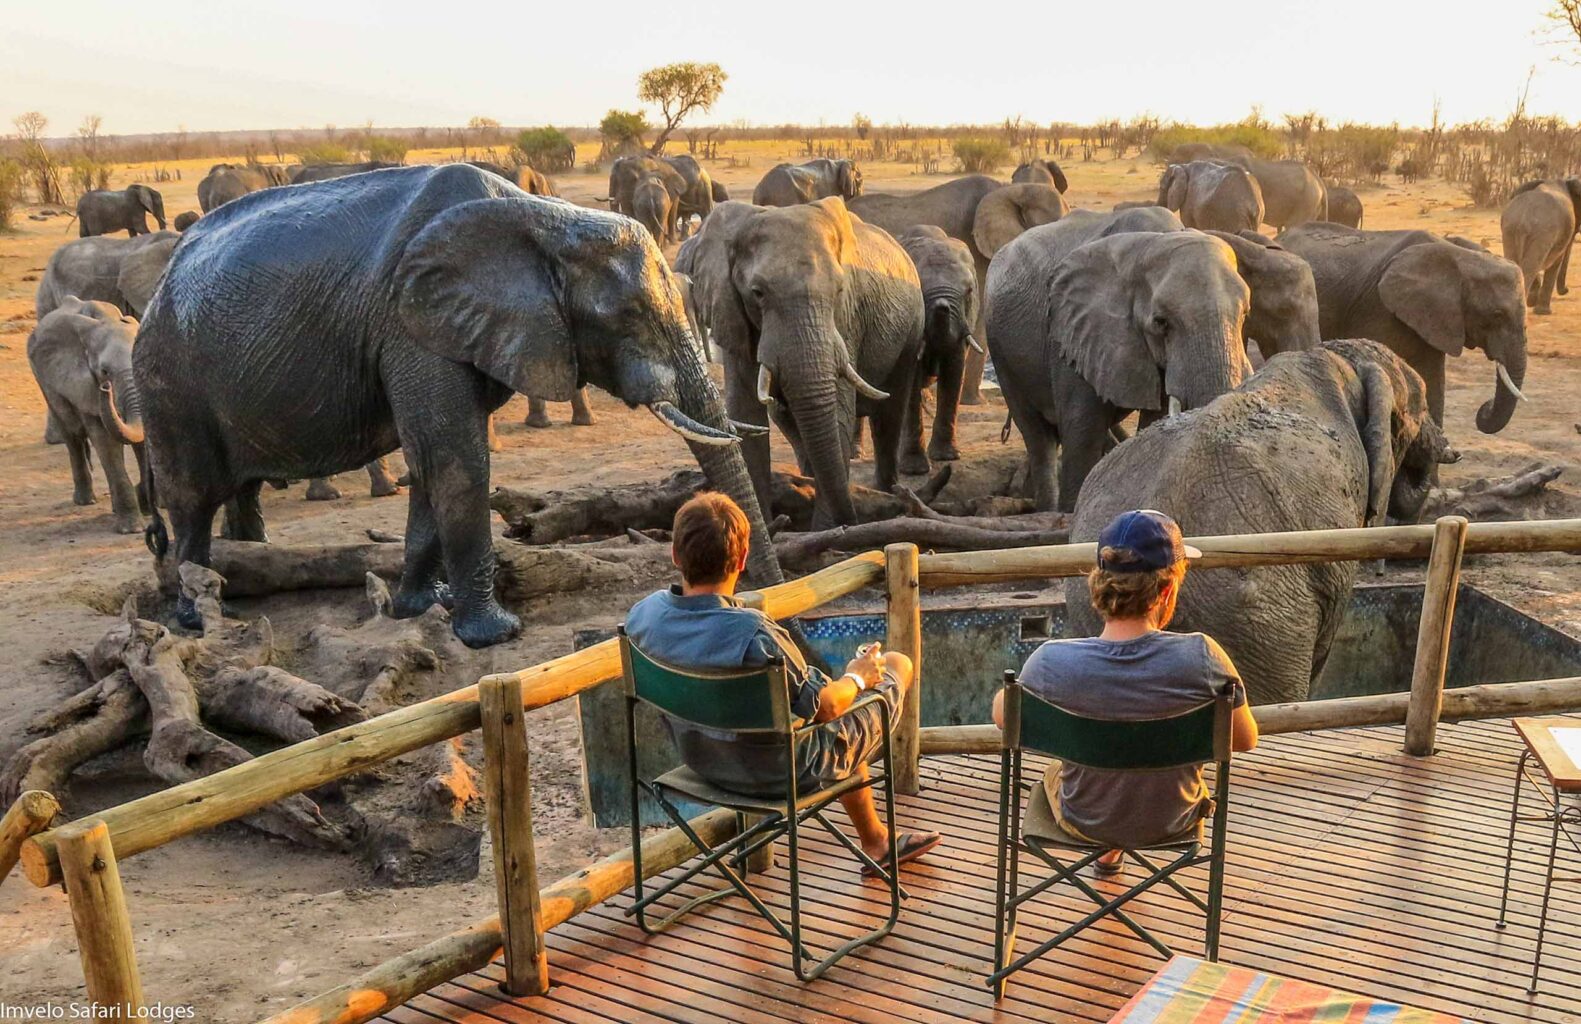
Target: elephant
column 1539, row 229
column 653, row 207
column 454, row 289
column 225, row 182
column 121, row 271
column 808, row 304
column 1353, row 417
column 721, row 193
column 538, row 411
column 949, row 300
column 698, row 197
column 1344, row 206
column 522, row 176
column 104, row 211
column 185, row 219
column 976, row 209
column 626, row 173
column 793, row 184
column 302, row 174
column 1040, row 172
column 1292, row 192
column 1424, row 296
column 81, row 356
column 1094, row 317
column 1212, row 196
column 1283, row 315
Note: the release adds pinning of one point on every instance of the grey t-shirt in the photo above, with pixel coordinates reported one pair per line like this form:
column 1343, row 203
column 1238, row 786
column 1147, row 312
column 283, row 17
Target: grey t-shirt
column 1156, row 675
column 708, row 631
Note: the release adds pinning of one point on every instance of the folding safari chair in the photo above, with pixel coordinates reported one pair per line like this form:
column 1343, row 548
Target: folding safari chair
column 1193, row 738
column 750, row 701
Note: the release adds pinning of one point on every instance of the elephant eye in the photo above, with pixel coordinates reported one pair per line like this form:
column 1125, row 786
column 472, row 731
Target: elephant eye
column 1161, row 324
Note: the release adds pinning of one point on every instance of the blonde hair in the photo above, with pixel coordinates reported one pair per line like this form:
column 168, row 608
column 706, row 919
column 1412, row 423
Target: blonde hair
column 1130, row 595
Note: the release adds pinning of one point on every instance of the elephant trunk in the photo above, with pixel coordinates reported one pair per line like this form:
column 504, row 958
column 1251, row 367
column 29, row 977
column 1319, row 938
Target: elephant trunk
column 1205, row 364
column 1509, row 375
column 825, row 435
column 159, row 211
column 129, row 428
column 946, row 326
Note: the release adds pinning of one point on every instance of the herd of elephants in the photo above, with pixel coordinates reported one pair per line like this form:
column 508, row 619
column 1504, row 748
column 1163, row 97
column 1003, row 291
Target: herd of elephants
column 311, row 323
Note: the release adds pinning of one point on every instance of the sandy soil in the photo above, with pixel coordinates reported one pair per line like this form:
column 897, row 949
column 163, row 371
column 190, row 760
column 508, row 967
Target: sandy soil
column 240, row 926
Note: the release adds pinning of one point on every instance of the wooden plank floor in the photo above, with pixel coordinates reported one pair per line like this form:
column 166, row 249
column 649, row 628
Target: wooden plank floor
column 1350, row 864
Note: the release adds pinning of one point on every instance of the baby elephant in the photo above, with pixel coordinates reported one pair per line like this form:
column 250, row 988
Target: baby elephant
column 1539, row 227
column 949, row 302
column 654, row 208
column 81, row 355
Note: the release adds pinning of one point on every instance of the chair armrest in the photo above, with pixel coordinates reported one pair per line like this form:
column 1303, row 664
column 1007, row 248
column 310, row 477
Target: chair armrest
column 870, row 696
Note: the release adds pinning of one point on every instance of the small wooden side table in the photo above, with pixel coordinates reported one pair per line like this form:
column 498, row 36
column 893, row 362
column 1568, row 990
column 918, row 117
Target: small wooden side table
column 1555, row 745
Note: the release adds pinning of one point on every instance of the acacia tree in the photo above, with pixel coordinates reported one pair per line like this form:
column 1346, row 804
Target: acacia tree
column 1566, row 16
column 680, row 89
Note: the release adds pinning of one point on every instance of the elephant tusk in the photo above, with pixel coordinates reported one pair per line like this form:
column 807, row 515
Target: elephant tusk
column 765, row 385
column 1174, row 406
column 863, row 386
column 1504, row 378
column 748, row 429
column 693, row 431
column 1449, row 457
column 976, row 345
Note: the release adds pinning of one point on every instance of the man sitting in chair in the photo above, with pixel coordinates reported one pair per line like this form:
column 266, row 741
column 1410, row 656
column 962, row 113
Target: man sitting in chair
column 699, row 625
column 1133, row 670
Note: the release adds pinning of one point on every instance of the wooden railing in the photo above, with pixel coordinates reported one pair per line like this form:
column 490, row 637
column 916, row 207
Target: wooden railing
column 84, row 853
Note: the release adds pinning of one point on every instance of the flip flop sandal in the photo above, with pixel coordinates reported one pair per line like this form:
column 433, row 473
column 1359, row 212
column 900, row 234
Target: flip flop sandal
column 1104, row 870
column 911, row 846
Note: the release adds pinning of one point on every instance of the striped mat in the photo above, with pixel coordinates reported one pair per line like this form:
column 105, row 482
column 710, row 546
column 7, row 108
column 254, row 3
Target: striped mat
column 1192, row 991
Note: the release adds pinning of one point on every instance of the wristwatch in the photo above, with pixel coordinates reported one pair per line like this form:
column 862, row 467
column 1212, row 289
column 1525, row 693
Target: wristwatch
column 861, row 684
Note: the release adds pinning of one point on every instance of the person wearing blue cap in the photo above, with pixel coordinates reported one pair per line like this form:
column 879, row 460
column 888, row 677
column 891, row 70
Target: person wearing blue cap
column 1134, row 669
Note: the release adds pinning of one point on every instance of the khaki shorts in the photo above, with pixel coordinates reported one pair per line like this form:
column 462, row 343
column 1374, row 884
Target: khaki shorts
column 838, row 749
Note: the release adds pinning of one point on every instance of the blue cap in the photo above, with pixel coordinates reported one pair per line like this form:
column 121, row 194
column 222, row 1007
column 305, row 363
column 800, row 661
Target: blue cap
column 1144, row 540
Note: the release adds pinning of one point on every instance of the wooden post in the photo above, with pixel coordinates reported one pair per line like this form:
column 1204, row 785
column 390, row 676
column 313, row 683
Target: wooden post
column 904, row 634
column 30, row 815
column 508, row 790
column 98, row 913
column 1432, row 635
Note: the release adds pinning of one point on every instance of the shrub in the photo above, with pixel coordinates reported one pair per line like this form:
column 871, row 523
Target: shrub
column 979, row 155
column 1255, row 135
column 383, row 147
column 324, row 153
column 547, row 149
column 10, row 191
column 87, row 175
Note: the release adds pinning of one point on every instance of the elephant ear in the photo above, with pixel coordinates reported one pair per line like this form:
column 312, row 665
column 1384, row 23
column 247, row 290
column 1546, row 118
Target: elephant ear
column 1422, row 288
column 1172, row 190
column 1006, row 212
column 141, row 273
column 1094, row 328
column 1377, row 437
column 478, row 285
column 846, row 178
column 1059, row 176
column 834, row 208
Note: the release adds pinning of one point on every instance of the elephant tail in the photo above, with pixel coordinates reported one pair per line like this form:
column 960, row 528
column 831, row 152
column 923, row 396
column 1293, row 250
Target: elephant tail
column 155, row 536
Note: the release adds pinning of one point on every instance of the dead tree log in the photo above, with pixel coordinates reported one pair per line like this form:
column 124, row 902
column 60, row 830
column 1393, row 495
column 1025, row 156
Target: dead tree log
column 1016, row 522
column 1512, row 498
column 802, row 549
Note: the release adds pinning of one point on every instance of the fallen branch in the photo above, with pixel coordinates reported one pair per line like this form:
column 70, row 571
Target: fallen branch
column 1513, row 498
column 1007, row 523
column 801, row 549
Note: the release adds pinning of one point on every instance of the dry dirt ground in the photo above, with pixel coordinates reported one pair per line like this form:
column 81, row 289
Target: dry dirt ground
column 240, row 926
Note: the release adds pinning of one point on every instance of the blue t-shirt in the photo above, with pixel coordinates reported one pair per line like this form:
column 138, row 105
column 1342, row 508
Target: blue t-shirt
column 713, row 632
column 1156, row 675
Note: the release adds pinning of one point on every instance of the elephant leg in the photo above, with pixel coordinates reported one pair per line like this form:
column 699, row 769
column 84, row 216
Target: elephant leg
column 537, row 413
column 320, row 489
column 913, row 460
column 381, row 481
column 581, row 413
column 887, row 423
column 53, row 434
column 971, row 393
column 422, row 585
column 941, row 448
column 1042, row 443
column 1082, row 445
column 112, row 457
column 244, row 516
column 81, row 470
column 192, row 522
column 1545, row 295
column 460, row 502
column 1563, row 287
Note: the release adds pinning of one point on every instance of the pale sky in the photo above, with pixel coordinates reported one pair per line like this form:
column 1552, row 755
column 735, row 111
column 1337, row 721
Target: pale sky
column 219, row 64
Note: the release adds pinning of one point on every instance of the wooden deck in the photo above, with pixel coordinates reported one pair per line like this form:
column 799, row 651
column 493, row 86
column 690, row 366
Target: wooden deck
column 1350, row 864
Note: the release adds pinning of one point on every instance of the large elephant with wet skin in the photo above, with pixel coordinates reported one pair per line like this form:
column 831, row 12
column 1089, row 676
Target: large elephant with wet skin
column 454, row 289
column 980, row 211
column 1332, row 438
column 819, row 319
column 1539, row 229
column 1427, row 298
column 105, row 211
column 81, row 356
column 793, row 184
column 225, row 182
column 1090, row 320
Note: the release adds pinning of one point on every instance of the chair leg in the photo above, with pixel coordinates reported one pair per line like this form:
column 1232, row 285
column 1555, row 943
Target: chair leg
column 1509, row 848
column 1001, row 879
column 1548, row 885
